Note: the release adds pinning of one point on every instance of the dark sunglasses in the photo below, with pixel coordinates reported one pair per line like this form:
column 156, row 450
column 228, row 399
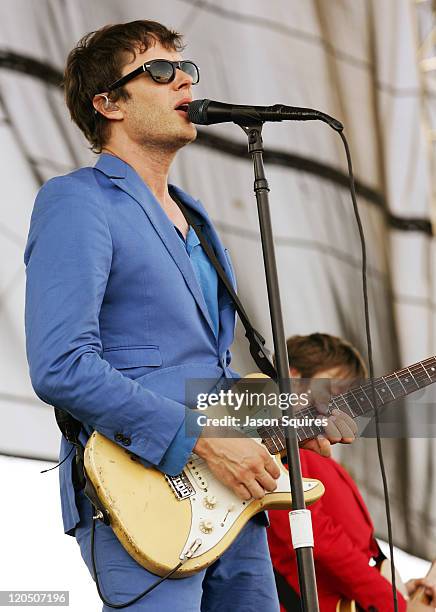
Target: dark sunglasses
column 161, row 71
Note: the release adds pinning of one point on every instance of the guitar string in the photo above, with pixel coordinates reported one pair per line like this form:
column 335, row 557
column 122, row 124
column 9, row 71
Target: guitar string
column 344, row 404
column 418, row 372
column 339, row 400
column 343, row 400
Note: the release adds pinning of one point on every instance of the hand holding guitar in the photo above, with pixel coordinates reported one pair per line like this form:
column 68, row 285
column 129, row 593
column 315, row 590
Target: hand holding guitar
column 241, row 464
column 248, row 469
column 341, row 427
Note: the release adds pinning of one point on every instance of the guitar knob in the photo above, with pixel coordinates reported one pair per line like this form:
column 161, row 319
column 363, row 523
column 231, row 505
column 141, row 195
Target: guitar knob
column 206, row 526
column 210, row 501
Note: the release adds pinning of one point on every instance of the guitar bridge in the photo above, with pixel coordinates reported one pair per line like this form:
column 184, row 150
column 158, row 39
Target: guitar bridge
column 180, row 485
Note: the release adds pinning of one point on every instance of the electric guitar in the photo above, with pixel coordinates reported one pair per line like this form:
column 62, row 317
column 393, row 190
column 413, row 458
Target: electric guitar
column 162, row 519
column 418, row 596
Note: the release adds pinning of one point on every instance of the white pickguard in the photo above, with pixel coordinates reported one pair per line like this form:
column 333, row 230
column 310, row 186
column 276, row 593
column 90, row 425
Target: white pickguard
column 224, row 512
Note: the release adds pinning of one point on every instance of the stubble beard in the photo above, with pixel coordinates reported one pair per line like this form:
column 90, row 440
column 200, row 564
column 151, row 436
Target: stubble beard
column 169, row 136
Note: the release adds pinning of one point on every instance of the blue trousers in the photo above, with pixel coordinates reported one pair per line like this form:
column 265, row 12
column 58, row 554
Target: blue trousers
column 241, row 580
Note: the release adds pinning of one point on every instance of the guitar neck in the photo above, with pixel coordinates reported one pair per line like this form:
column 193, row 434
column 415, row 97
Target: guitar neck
column 358, row 401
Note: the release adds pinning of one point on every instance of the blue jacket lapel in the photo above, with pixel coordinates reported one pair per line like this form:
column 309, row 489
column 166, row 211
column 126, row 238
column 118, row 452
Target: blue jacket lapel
column 125, row 177
column 211, row 233
column 227, row 315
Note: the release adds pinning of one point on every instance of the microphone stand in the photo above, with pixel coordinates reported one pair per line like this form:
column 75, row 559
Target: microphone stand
column 306, row 569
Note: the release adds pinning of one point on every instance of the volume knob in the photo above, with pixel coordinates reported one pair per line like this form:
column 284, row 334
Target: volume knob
column 206, row 526
column 210, row 501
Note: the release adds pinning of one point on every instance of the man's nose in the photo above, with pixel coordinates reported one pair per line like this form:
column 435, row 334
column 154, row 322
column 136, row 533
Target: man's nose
column 182, row 79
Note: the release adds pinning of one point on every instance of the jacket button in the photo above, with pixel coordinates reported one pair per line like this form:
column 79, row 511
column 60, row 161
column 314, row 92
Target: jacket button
column 126, row 441
column 119, row 437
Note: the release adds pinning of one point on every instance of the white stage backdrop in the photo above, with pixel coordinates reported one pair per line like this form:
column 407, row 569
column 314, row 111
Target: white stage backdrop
column 354, row 59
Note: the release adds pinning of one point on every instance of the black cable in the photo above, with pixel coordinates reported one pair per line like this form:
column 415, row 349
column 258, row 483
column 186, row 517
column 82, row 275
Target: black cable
column 59, row 464
column 371, row 367
column 137, row 597
column 94, row 568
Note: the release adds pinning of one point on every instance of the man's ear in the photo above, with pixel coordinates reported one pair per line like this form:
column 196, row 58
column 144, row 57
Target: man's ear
column 294, row 373
column 106, row 107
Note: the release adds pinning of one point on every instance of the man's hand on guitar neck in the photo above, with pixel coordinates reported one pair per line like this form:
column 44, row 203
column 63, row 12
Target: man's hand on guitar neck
column 341, row 428
column 248, row 469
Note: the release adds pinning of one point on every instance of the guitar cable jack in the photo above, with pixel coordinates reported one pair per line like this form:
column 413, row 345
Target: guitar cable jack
column 191, row 550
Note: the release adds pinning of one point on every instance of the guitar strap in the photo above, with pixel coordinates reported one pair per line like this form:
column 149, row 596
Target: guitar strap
column 257, row 343
column 70, row 428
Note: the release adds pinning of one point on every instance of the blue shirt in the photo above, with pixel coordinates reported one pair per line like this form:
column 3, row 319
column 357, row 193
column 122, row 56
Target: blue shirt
column 182, row 445
column 205, row 272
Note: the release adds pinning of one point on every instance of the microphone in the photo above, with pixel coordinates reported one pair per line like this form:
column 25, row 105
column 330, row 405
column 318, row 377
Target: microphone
column 209, row 112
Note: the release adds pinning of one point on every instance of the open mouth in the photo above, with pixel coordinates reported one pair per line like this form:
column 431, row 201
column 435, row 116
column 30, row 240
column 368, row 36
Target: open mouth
column 182, row 107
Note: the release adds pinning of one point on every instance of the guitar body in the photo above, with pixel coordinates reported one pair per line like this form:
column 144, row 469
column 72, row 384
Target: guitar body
column 157, row 518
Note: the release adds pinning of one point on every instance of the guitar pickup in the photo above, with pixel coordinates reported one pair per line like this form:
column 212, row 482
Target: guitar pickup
column 196, row 475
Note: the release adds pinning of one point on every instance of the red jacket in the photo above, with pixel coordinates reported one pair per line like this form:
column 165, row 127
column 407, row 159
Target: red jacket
column 344, row 542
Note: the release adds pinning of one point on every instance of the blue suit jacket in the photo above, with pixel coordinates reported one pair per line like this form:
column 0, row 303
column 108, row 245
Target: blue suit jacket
column 115, row 319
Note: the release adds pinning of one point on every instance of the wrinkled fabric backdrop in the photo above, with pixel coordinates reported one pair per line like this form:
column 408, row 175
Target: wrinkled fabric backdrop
column 354, row 59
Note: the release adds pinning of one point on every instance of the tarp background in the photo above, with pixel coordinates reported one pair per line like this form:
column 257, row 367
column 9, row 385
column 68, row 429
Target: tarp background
column 355, row 60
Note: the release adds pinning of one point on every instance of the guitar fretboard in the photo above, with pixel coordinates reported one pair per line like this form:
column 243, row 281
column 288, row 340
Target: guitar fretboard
column 358, row 401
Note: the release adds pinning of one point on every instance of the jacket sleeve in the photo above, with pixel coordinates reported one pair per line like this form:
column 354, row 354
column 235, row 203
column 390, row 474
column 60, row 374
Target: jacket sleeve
column 68, row 261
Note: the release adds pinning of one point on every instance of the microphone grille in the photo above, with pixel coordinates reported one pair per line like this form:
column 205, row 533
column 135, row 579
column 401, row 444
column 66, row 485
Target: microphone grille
column 197, row 111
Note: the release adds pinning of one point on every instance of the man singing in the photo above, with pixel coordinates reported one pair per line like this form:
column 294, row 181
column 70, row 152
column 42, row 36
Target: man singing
column 123, row 306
